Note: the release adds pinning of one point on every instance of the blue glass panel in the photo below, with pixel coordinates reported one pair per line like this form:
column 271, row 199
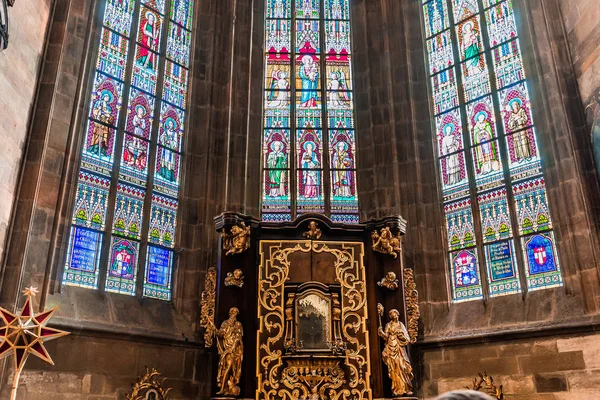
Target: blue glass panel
column 83, row 258
column 159, row 267
column 542, row 264
column 502, row 269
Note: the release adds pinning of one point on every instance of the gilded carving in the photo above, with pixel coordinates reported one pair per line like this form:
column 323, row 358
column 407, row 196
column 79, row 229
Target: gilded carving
column 350, row 274
column 386, row 243
column 235, row 278
column 149, row 386
column 485, row 383
column 231, row 353
column 313, row 233
column 312, row 379
column 207, row 305
column 394, row 353
column 389, row 281
column 237, row 240
column 412, row 304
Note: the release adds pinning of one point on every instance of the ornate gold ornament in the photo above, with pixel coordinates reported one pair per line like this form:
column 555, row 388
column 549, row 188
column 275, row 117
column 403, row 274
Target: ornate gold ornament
column 412, row 304
column 313, row 378
column 231, row 353
column 394, row 353
column 207, row 305
column 389, row 281
column 237, row 240
column 149, row 386
column 386, row 243
column 235, row 278
column 313, row 233
column 485, row 383
column 273, row 315
column 25, row 334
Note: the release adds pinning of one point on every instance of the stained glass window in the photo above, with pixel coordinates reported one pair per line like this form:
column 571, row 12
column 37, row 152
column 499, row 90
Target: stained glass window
column 309, row 144
column 124, row 221
column 498, row 221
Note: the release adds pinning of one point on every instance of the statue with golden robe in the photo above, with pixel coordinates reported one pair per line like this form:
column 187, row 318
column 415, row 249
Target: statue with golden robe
column 231, row 353
column 394, row 353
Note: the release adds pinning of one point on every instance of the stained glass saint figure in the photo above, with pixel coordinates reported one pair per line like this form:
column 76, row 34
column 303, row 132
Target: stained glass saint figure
column 487, row 158
column 310, row 177
column 342, row 178
column 450, row 145
column 150, row 42
column 169, row 140
column 470, row 47
column 277, row 159
column 518, row 120
column 337, row 82
column 102, row 111
column 309, row 73
column 280, row 85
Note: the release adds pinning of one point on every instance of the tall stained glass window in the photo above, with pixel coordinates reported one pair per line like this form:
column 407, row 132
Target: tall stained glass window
column 497, row 217
column 309, row 144
column 124, row 219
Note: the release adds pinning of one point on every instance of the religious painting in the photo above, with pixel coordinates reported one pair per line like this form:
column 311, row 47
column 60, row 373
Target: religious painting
column 449, row 133
column 140, row 114
column 441, row 54
column 277, row 83
column 167, row 169
column 540, row 254
column 149, row 39
column 459, row 224
column 465, row 275
column 308, row 76
column 471, row 45
column 516, row 112
column 276, row 163
column 309, row 155
column 482, row 120
column 339, row 100
column 339, row 75
column 134, row 160
column 454, row 172
column 342, row 162
column 313, row 322
column 171, row 129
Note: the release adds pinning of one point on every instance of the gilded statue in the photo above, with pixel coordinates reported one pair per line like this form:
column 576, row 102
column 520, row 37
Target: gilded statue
column 235, row 278
column 394, row 353
column 389, row 281
column 386, row 243
column 231, row 353
column 237, row 240
column 313, row 232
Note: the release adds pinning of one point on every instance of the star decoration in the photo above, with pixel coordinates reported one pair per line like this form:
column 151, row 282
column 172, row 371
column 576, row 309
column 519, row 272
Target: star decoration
column 26, row 333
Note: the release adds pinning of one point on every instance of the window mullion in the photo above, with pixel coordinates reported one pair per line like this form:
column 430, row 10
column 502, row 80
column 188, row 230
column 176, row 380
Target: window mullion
column 468, row 154
column 118, row 140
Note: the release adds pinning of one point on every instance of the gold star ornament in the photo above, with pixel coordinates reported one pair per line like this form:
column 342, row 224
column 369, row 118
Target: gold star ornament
column 26, row 333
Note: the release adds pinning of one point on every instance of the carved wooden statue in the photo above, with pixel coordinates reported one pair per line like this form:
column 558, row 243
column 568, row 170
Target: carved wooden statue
column 394, row 353
column 231, row 353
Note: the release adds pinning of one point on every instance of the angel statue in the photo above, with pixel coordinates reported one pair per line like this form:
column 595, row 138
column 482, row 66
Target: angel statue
column 386, row 243
column 394, row 353
column 338, row 95
column 231, row 353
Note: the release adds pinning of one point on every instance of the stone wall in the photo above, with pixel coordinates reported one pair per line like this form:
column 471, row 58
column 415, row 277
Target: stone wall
column 20, row 65
column 556, row 368
column 582, row 24
column 90, row 368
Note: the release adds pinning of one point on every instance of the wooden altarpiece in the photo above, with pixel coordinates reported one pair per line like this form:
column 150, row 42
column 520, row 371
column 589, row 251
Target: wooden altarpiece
column 308, row 305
